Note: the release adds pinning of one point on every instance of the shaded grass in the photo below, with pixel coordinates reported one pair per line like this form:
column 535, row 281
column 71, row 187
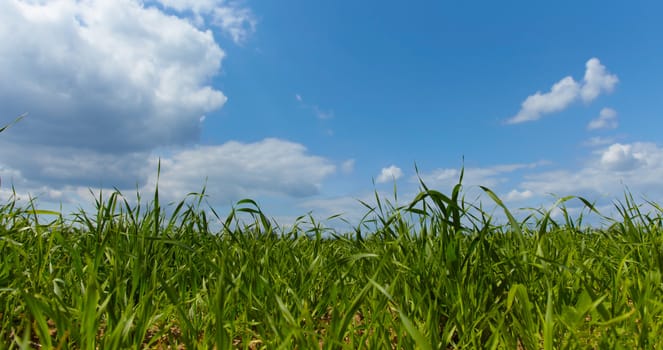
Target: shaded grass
column 437, row 273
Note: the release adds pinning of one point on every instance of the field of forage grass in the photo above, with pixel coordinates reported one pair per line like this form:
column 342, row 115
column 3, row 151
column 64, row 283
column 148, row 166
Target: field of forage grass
column 438, row 273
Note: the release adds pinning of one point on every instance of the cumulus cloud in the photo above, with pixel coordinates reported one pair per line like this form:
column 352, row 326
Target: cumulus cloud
column 501, row 179
column 391, row 173
column 60, row 166
column 238, row 22
column 596, row 81
column 105, row 75
column 637, row 165
column 560, row 96
column 607, row 119
column 109, row 86
column 234, row 20
column 605, row 174
column 622, row 157
column 105, row 83
column 236, row 170
column 603, row 177
column 230, row 171
column 15, row 184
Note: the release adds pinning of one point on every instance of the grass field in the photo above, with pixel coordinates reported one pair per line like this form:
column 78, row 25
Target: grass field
column 438, row 273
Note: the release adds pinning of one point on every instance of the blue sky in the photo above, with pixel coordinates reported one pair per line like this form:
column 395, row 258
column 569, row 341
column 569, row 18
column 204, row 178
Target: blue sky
column 304, row 105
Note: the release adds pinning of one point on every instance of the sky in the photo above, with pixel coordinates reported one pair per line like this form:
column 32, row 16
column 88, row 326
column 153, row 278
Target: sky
column 310, row 107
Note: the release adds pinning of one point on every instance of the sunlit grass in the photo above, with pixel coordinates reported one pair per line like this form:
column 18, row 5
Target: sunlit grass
column 436, row 273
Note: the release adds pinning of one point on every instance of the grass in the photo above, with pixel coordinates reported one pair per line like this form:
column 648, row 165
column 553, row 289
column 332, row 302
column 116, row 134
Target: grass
column 435, row 274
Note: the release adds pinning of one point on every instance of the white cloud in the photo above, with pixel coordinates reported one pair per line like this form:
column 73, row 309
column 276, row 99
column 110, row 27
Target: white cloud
column 14, row 184
column 636, row 165
column 622, row 157
column 391, row 173
column 501, row 179
column 603, row 178
column 9, row 177
column 493, row 176
column 606, row 173
column 60, row 166
column 236, row 21
column 104, row 84
column 607, row 119
column 105, row 75
column 237, row 170
column 515, row 195
column 596, row 81
column 110, row 84
column 230, row 171
column 298, row 97
column 348, row 166
column 560, row 96
column 195, row 6
column 349, row 207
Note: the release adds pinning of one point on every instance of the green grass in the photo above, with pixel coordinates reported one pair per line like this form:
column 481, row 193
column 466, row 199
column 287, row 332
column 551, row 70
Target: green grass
column 437, row 273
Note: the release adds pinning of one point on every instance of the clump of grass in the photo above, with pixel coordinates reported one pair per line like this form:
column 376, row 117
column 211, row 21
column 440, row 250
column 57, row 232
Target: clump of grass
column 436, row 273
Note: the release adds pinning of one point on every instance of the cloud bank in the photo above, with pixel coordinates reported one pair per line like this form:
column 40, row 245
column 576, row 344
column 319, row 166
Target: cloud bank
column 111, row 85
column 236, row 170
column 606, row 173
